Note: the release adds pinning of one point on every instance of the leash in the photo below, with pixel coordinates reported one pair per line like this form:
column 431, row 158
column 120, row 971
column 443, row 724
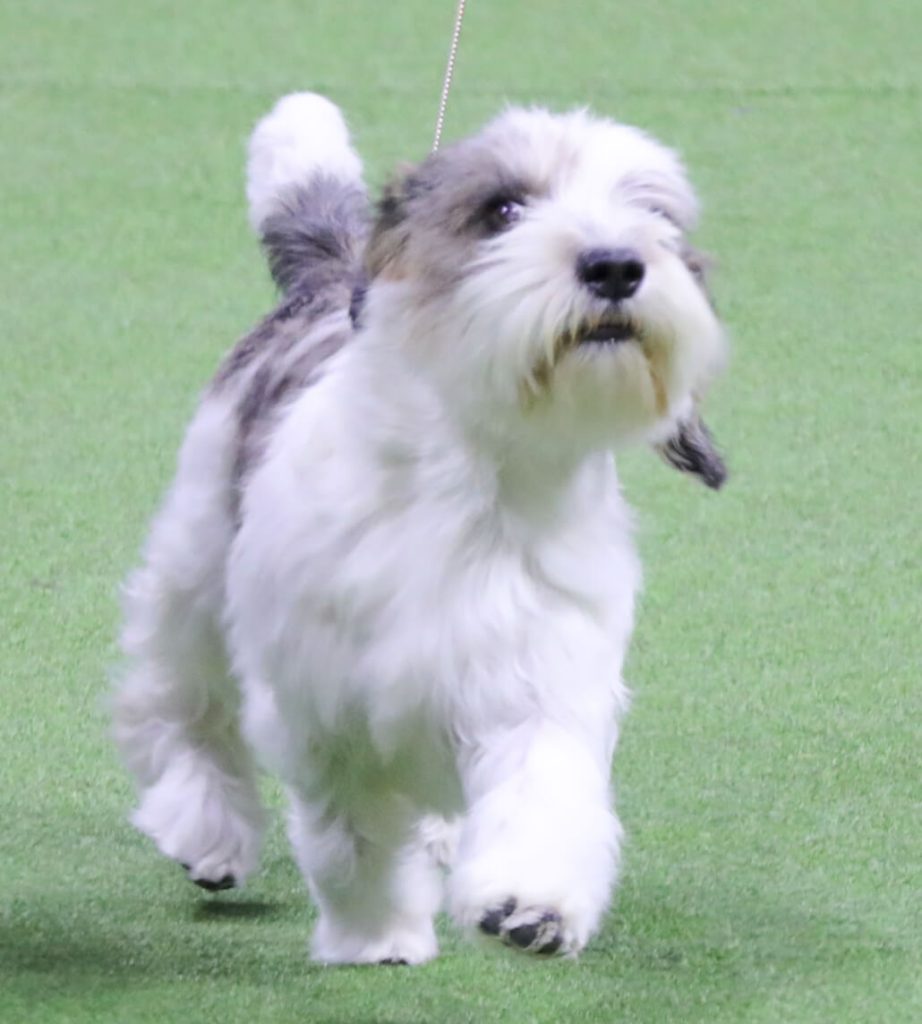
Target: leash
column 449, row 74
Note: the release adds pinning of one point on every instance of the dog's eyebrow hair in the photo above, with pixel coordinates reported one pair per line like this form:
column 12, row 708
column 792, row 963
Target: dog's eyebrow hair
column 654, row 191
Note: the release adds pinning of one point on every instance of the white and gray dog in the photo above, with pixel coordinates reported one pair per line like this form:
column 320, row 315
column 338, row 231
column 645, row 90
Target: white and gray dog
column 394, row 566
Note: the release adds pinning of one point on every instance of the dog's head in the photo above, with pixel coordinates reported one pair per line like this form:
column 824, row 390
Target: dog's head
column 542, row 267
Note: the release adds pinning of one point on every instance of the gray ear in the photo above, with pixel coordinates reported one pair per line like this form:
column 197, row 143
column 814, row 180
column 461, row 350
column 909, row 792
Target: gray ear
column 691, row 449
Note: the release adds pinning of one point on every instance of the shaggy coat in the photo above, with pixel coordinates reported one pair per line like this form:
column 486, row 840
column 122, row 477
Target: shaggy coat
column 394, row 566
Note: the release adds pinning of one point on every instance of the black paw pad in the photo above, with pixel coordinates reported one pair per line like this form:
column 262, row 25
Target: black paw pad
column 394, row 961
column 492, row 921
column 541, row 932
column 537, row 930
column 227, row 882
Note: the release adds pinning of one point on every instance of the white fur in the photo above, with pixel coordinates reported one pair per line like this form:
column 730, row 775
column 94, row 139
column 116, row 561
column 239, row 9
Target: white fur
column 302, row 133
column 429, row 600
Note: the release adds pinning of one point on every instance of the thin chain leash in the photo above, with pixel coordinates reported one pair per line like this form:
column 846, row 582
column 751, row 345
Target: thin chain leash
column 449, row 74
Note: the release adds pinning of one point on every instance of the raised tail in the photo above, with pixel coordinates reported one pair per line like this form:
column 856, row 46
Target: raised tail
column 307, row 200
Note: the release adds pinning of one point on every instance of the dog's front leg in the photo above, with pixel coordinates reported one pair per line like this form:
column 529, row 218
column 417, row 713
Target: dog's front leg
column 372, row 874
column 539, row 845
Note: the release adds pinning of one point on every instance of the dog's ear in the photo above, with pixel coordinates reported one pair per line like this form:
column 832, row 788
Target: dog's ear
column 390, row 233
column 691, row 449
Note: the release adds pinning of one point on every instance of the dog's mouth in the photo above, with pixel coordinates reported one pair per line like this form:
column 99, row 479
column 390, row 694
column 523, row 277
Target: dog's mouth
column 609, row 332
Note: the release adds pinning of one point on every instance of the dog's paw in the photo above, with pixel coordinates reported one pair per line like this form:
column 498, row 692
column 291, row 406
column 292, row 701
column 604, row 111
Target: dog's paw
column 204, row 824
column 537, row 930
column 407, row 943
column 212, row 882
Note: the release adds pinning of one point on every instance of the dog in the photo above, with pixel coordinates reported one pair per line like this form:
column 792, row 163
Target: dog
column 394, row 567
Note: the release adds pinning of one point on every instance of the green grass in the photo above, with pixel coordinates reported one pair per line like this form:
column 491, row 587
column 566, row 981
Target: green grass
column 769, row 776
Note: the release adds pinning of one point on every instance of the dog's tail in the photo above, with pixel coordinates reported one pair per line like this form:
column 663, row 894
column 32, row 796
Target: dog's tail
column 306, row 196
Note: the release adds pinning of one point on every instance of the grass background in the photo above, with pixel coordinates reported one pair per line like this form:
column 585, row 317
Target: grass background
column 769, row 776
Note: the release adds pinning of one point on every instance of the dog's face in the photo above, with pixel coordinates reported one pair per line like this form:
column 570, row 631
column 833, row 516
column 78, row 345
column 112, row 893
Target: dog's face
column 546, row 266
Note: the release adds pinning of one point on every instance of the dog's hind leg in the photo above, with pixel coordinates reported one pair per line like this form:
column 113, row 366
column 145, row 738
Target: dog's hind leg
column 376, row 882
column 176, row 708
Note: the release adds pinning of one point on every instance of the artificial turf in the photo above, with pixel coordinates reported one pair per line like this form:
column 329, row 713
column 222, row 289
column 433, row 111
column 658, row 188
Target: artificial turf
column 770, row 775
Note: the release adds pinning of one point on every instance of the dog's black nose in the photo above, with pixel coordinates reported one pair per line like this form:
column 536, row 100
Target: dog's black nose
column 613, row 274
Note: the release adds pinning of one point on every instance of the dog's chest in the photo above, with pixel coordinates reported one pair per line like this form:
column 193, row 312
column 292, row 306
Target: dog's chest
column 407, row 604
column 419, row 614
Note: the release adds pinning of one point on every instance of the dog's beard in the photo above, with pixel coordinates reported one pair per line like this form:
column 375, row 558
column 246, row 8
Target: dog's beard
column 521, row 339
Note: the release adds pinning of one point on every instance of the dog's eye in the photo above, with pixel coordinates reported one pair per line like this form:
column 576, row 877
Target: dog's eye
column 501, row 212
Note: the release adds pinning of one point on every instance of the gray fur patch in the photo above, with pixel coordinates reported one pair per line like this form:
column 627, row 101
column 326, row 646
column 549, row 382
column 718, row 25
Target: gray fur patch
column 275, row 381
column 316, row 235
column 431, row 218
column 314, row 246
column 278, row 332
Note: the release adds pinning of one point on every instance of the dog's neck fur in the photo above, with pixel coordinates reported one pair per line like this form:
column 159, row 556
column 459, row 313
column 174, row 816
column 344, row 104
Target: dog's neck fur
column 512, row 467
